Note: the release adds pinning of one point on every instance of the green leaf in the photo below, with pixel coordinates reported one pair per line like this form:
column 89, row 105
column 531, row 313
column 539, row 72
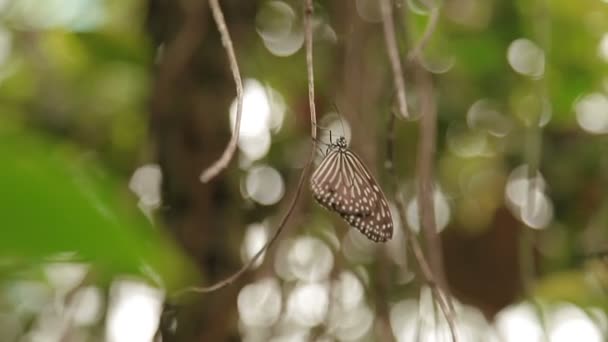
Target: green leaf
column 56, row 199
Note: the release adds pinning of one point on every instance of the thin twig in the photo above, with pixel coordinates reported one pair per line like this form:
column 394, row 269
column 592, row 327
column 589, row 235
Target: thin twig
column 440, row 297
column 228, row 153
column 425, row 198
column 308, row 11
column 427, row 148
column 430, row 28
column 229, row 280
column 303, row 176
column 393, row 54
column 411, row 239
column 426, row 153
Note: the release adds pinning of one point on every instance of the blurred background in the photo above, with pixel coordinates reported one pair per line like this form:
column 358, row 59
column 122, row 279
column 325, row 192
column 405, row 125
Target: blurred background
column 110, row 110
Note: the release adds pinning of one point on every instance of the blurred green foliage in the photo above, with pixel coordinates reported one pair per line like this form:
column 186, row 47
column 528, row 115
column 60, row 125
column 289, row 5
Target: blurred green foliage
column 74, row 122
column 73, row 88
column 60, row 203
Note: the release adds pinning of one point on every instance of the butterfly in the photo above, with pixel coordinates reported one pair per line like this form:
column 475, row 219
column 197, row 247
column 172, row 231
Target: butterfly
column 343, row 184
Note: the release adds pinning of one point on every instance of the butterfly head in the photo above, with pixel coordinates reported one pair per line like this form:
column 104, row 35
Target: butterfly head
column 341, row 143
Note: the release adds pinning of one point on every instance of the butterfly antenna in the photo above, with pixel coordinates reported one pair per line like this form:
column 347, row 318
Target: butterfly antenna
column 320, row 142
column 341, row 120
column 322, row 128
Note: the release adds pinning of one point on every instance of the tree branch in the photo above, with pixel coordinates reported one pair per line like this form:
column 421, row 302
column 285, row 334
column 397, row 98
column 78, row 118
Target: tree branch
column 228, row 153
column 410, row 238
column 308, row 11
column 431, row 25
column 426, row 205
column 303, row 176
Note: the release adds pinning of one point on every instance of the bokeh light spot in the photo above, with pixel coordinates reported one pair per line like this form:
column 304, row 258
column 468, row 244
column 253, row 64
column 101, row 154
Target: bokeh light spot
column 467, row 143
column 134, row 312
column 592, row 113
column 518, row 323
column 308, row 304
column 603, row 47
column 442, row 212
column 526, row 58
column 484, row 115
column 255, row 147
column 146, row 183
column 264, row 185
column 259, row 304
column 256, row 236
column 88, row 304
column 280, row 28
column 348, row 290
column 310, row 259
column 255, row 115
column 569, row 323
column 527, row 200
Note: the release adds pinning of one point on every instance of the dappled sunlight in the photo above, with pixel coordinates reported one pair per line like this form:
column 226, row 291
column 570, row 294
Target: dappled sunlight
column 146, row 184
column 527, row 199
column 519, row 323
column 308, row 303
column 256, row 237
column 484, row 115
column 592, row 113
column 310, row 259
column 422, row 320
column 131, row 208
column 262, row 114
column 255, row 116
column 64, row 276
column 569, row 323
column 133, row 311
column 562, row 322
column 282, row 266
column 442, row 211
column 88, row 306
column 259, row 303
column 350, row 324
column 468, row 143
column 280, row 27
column 264, row 185
column 602, row 48
column 526, row 58
column 74, row 15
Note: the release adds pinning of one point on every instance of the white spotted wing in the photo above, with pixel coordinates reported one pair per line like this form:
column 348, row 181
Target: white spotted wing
column 342, row 183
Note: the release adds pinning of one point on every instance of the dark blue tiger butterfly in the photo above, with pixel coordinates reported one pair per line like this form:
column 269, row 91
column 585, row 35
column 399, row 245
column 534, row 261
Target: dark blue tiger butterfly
column 343, row 184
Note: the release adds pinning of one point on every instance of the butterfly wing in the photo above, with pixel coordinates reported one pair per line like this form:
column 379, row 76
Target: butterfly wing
column 341, row 183
column 378, row 225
